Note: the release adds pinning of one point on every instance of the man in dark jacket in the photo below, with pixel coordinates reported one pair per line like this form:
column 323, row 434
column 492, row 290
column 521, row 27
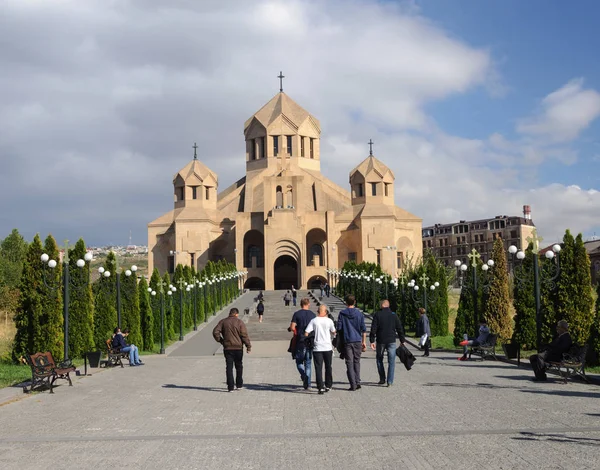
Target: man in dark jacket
column 351, row 323
column 118, row 342
column 302, row 354
column 554, row 352
column 384, row 327
column 423, row 328
column 231, row 332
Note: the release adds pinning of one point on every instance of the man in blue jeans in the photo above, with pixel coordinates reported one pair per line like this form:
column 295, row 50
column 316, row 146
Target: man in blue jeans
column 303, row 355
column 119, row 343
column 384, row 327
column 351, row 323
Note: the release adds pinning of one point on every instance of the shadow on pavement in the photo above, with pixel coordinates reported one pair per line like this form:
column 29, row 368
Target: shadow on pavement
column 532, row 436
column 565, row 393
column 471, row 385
column 190, row 387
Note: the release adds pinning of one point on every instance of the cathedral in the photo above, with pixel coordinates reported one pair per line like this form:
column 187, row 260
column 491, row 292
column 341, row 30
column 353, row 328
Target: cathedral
column 284, row 222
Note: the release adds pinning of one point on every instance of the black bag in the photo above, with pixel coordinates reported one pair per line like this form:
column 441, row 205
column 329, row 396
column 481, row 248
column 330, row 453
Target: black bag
column 309, row 341
column 260, row 308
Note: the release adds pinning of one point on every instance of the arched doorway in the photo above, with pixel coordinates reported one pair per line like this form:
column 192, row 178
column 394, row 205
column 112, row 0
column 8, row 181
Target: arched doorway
column 254, row 283
column 285, row 272
column 315, row 282
column 316, row 241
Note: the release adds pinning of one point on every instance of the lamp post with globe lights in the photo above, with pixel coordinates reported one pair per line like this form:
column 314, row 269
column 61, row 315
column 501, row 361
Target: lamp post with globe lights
column 425, row 298
column 182, row 284
column 474, row 256
column 106, row 274
column 161, row 290
column 539, row 275
column 76, row 283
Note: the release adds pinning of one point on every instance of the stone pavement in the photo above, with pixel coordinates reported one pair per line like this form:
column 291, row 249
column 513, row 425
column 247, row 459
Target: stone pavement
column 175, row 413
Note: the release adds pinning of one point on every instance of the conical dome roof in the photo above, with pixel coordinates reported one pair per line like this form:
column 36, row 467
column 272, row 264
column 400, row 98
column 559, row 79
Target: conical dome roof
column 370, row 164
column 282, row 104
column 196, row 167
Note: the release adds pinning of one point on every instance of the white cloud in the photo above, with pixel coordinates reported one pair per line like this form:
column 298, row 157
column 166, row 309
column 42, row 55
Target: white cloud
column 100, row 103
column 564, row 113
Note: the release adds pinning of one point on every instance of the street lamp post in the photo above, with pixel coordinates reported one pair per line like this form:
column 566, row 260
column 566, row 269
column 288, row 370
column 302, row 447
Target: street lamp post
column 161, row 289
column 182, row 285
column 539, row 275
column 424, row 288
column 103, row 272
column 474, row 256
column 67, row 284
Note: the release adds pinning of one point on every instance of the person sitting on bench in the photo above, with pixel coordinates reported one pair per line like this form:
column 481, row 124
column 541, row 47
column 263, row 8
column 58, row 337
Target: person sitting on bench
column 484, row 333
column 553, row 353
column 119, row 343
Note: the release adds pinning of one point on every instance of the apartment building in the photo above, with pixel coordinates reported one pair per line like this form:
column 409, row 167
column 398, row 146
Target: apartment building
column 453, row 241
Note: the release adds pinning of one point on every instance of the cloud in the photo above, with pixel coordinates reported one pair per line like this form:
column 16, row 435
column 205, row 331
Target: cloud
column 564, row 113
column 100, row 103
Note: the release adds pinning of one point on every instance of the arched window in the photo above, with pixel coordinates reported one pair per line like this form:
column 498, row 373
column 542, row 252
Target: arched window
column 279, row 198
column 253, row 251
column 316, row 250
column 289, row 198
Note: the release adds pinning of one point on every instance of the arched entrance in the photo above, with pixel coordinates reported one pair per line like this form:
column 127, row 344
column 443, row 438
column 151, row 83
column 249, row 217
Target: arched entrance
column 254, row 283
column 285, row 272
column 315, row 282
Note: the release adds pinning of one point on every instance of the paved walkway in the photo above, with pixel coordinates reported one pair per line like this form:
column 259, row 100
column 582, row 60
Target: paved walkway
column 175, row 413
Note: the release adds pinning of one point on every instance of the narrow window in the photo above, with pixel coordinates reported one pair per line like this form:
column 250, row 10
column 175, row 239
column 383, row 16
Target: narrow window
column 193, row 260
column 207, row 193
column 262, row 147
column 301, row 146
column 373, row 189
column 275, row 145
column 378, row 257
column 171, row 264
column 181, row 192
column 387, row 189
column 288, row 139
column 399, row 259
column 359, row 190
column 312, row 148
column 352, row 256
column 252, row 149
column 194, row 192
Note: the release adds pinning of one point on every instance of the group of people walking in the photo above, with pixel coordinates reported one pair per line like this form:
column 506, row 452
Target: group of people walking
column 314, row 338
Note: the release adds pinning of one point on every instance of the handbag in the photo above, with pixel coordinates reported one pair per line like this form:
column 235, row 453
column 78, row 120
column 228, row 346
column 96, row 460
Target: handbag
column 423, row 340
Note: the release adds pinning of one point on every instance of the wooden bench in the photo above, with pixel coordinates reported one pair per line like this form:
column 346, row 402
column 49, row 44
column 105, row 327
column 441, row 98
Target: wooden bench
column 115, row 356
column 573, row 364
column 487, row 349
column 45, row 371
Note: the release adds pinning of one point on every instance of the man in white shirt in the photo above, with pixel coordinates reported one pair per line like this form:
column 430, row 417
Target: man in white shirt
column 324, row 329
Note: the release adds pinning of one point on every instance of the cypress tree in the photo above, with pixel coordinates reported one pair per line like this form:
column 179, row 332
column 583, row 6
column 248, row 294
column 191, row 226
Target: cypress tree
column 497, row 311
column 155, row 304
column 50, row 323
column 466, row 308
column 30, row 302
column 188, row 319
column 169, row 310
column 105, row 301
column 131, row 308
column 524, row 303
column 81, row 304
column 574, row 299
column 13, row 251
column 595, row 330
column 146, row 316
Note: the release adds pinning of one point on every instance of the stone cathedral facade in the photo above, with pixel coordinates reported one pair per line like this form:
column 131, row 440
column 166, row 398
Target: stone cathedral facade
column 283, row 221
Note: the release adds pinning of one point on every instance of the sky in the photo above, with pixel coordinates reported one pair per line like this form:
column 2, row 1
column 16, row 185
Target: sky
column 477, row 107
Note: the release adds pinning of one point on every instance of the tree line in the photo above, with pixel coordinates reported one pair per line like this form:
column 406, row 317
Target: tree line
column 32, row 293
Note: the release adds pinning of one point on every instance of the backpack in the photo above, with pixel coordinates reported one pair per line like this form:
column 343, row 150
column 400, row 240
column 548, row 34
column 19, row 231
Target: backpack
column 260, row 308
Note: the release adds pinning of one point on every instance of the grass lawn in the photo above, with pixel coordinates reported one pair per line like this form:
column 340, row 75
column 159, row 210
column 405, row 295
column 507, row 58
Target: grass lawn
column 11, row 374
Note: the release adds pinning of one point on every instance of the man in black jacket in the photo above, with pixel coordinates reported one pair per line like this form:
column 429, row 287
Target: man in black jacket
column 553, row 353
column 384, row 327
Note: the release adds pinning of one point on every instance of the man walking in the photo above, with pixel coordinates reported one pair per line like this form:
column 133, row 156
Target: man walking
column 232, row 334
column 303, row 355
column 294, row 295
column 323, row 328
column 351, row 323
column 424, row 331
column 384, row 327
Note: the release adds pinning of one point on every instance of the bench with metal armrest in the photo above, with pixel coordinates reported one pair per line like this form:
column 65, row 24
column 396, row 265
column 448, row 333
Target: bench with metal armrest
column 572, row 364
column 45, row 371
column 487, row 349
